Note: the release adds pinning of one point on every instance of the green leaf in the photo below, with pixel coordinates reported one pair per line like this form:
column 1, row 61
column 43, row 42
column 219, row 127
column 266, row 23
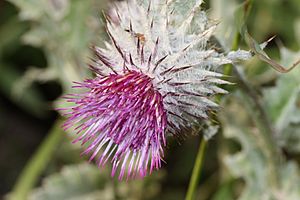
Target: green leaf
column 297, row 29
column 251, row 163
column 290, row 138
column 87, row 182
column 64, row 29
column 35, row 9
column 224, row 192
column 241, row 16
column 11, row 31
column 30, row 100
column 226, row 30
column 282, row 99
column 76, row 182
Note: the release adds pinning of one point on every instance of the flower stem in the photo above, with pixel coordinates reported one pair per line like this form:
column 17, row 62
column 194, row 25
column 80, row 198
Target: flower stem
column 200, row 156
column 228, row 69
column 196, row 171
column 37, row 164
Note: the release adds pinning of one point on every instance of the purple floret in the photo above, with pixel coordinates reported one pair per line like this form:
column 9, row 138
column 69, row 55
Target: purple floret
column 123, row 117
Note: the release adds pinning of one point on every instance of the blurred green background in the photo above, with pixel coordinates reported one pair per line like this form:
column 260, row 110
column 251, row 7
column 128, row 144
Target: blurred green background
column 44, row 46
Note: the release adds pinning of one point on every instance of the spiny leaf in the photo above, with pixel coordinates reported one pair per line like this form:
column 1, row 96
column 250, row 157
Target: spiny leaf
column 64, row 29
column 30, row 100
column 82, row 182
column 282, row 101
column 251, row 163
column 87, row 182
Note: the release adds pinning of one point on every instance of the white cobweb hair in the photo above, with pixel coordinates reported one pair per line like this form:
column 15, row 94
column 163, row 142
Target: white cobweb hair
column 168, row 41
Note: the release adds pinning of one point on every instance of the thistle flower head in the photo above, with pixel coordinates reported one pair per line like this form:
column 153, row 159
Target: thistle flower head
column 154, row 78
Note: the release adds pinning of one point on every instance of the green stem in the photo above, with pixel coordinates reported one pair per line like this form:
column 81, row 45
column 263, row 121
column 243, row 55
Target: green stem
column 37, row 164
column 228, row 69
column 199, row 160
column 196, row 171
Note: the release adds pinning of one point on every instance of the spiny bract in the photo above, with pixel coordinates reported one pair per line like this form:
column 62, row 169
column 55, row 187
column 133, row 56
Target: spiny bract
column 154, row 78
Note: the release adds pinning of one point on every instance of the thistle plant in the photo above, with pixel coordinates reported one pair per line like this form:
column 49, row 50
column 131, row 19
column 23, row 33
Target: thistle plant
column 156, row 70
column 155, row 78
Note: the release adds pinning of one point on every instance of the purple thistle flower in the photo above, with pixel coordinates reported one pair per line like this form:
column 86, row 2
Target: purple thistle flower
column 126, row 113
column 154, row 78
